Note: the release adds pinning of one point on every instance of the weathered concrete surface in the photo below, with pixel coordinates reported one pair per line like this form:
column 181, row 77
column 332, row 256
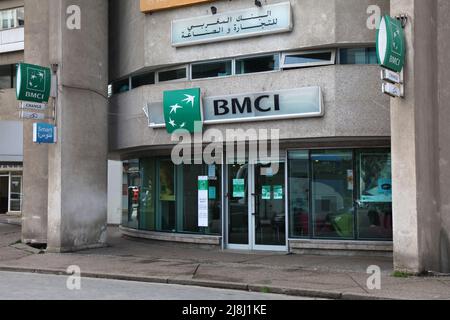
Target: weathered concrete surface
column 162, row 262
column 77, row 205
column 35, row 171
column 420, row 136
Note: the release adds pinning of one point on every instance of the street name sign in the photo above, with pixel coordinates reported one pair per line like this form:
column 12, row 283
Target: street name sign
column 392, row 77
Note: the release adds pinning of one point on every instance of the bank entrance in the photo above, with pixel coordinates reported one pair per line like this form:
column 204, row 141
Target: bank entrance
column 256, row 206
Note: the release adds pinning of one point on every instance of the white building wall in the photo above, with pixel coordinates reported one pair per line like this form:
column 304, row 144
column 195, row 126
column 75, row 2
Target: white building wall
column 114, row 192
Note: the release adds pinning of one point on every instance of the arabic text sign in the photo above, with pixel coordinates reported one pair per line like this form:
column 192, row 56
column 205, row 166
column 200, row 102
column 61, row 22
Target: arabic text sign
column 29, row 115
column 44, row 133
column 237, row 24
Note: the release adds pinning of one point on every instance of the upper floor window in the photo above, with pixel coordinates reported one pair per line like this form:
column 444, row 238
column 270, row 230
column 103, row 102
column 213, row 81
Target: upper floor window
column 12, row 18
column 258, row 64
column 211, row 69
column 173, row 74
column 142, row 79
column 358, row 56
column 7, row 76
column 308, row 59
column 120, row 86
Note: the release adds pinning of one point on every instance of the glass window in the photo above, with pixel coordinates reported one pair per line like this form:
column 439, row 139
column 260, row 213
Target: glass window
column 142, row 80
column 211, row 69
column 299, row 194
column 191, row 173
column 131, row 214
column 167, row 196
column 121, row 86
column 148, row 191
column 358, row 56
column 170, row 75
column 16, row 194
column 7, row 76
column 12, row 18
column 258, row 64
column 308, row 59
column 332, row 194
column 374, row 194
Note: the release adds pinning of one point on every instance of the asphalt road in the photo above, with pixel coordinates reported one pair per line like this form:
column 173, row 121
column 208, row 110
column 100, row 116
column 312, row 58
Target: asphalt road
column 23, row 286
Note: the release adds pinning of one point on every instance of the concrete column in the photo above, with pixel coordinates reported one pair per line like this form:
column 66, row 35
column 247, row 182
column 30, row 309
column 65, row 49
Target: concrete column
column 420, row 237
column 77, row 203
column 34, row 209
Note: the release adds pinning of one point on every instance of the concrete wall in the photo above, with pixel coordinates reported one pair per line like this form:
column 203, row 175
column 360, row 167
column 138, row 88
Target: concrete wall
column 77, row 205
column 35, row 171
column 7, row 4
column 420, row 138
column 115, row 179
column 316, row 23
column 352, row 106
column 443, row 98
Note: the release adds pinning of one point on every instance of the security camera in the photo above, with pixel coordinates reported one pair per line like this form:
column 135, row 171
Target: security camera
column 258, row 3
column 213, row 10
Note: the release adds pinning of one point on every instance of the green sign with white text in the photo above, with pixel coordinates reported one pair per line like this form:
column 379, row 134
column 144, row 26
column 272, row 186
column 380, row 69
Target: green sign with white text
column 182, row 110
column 391, row 45
column 33, row 83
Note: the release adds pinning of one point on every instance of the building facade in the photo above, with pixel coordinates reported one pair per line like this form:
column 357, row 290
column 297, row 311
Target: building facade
column 11, row 128
column 356, row 171
column 332, row 186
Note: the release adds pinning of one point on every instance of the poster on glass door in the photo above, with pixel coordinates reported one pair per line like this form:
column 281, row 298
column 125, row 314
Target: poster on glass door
column 203, row 201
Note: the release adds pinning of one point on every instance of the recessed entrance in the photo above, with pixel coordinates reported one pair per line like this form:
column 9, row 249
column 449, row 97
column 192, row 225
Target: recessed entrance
column 256, row 206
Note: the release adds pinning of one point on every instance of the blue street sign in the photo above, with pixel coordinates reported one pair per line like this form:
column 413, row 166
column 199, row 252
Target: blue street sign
column 44, row 133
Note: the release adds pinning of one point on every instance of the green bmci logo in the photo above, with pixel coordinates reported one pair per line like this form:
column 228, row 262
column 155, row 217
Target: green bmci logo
column 35, row 80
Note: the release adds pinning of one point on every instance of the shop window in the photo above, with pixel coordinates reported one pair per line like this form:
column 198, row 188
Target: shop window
column 332, row 194
column 299, row 194
column 142, row 80
column 258, row 64
column 358, row 56
column 131, row 212
column 120, row 86
column 211, row 69
column 148, row 191
column 173, row 74
column 167, row 197
column 308, row 59
column 191, row 173
column 374, row 189
column 16, row 194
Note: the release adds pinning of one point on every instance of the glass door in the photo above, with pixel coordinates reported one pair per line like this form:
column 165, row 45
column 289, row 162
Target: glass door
column 256, row 201
column 269, row 203
column 238, row 206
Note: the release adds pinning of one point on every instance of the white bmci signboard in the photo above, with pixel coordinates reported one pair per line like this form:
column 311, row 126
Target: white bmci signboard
column 251, row 22
column 304, row 102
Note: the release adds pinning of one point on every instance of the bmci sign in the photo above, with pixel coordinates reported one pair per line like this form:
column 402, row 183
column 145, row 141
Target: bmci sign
column 33, row 83
column 44, row 133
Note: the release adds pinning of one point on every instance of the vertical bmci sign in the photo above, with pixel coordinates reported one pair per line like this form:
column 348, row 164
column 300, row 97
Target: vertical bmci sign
column 33, row 83
column 44, row 133
column 391, row 47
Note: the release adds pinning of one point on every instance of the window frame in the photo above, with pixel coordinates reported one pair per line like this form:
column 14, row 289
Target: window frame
column 339, row 60
column 178, row 67
column 284, row 66
column 279, row 54
column 16, row 19
column 233, row 63
column 142, row 73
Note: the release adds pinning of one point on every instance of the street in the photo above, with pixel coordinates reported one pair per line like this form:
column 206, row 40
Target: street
column 23, row 286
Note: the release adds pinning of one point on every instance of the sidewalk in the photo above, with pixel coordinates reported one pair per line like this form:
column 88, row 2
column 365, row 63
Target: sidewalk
column 151, row 261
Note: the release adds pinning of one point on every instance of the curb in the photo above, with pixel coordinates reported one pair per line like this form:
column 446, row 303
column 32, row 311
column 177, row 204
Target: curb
column 308, row 293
